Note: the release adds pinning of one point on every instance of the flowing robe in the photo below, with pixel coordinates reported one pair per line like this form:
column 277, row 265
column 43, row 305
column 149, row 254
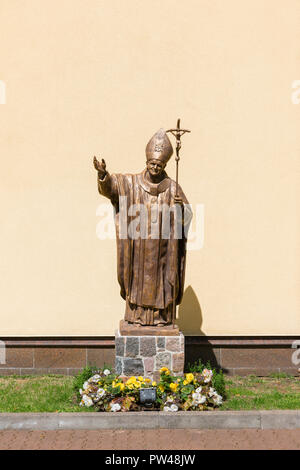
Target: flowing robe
column 151, row 267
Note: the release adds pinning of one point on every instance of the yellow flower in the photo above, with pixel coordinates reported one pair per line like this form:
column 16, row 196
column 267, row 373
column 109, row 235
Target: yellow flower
column 164, row 370
column 137, row 385
column 173, row 387
column 148, row 380
column 161, row 388
column 185, row 382
column 118, row 384
column 141, row 379
column 131, row 380
column 154, row 384
column 130, row 386
column 189, row 377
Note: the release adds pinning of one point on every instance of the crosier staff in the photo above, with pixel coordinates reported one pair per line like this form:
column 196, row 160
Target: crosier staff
column 177, row 133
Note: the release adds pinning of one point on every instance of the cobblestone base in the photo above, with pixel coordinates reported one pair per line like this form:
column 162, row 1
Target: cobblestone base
column 145, row 355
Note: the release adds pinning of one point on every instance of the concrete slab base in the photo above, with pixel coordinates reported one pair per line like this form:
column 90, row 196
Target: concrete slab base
column 275, row 419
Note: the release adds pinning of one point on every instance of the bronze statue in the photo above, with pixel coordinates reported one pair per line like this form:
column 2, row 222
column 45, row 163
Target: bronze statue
column 151, row 268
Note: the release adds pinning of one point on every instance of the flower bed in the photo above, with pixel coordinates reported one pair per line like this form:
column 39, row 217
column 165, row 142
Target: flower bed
column 105, row 391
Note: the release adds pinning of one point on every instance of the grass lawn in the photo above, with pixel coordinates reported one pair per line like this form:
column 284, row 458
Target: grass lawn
column 37, row 393
column 54, row 393
column 276, row 392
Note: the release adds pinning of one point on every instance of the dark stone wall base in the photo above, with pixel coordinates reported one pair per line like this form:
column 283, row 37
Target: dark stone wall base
column 234, row 355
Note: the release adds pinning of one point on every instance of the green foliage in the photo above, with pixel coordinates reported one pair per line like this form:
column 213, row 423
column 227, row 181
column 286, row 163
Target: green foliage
column 86, row 373
column 280, row 375
column 186, row 391
column 197, row 366
column 194, row 391
column 51, row 393
column 264, row 393
column 55, row 393
column 218, row 381
column 81, row 377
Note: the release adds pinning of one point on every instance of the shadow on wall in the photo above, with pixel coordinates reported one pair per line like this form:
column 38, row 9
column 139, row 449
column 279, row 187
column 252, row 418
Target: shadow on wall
column 190, row 314
column 190, row 321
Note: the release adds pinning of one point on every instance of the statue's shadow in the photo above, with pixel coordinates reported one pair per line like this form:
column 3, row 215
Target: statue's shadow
column 190, row 321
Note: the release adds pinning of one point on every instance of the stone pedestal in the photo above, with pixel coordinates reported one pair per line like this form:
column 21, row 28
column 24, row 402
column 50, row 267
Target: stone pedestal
column 129, row 329
column 145, row 355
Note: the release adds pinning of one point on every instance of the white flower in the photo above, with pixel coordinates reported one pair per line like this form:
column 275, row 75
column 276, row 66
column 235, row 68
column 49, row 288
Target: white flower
column 173, row 407
column 202, row 399
column 167, row 408
column 100, row 393
column 198, row 399
column 199, row 390
column 115, row 407
column 85, row 385
column 80, row 391
column 106, row 372
column 212, row 392
column 94, row 379
column 87, row 401
column 207, row 375
column 218, row 400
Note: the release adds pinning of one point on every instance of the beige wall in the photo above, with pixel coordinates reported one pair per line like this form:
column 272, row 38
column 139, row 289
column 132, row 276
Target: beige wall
column 85, row 77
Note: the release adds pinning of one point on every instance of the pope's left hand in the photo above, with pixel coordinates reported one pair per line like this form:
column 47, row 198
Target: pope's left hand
column 178, row 200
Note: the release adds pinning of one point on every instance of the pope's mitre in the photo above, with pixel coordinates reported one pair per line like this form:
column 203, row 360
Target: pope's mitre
column 159, row 147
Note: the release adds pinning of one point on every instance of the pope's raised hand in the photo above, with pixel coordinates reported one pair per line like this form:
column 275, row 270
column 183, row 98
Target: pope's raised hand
column 100, row 167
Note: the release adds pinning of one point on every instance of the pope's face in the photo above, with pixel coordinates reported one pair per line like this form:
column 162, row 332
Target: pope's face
column 155, row 167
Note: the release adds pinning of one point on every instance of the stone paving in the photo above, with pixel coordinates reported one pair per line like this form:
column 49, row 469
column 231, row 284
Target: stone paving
column 156, row 439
